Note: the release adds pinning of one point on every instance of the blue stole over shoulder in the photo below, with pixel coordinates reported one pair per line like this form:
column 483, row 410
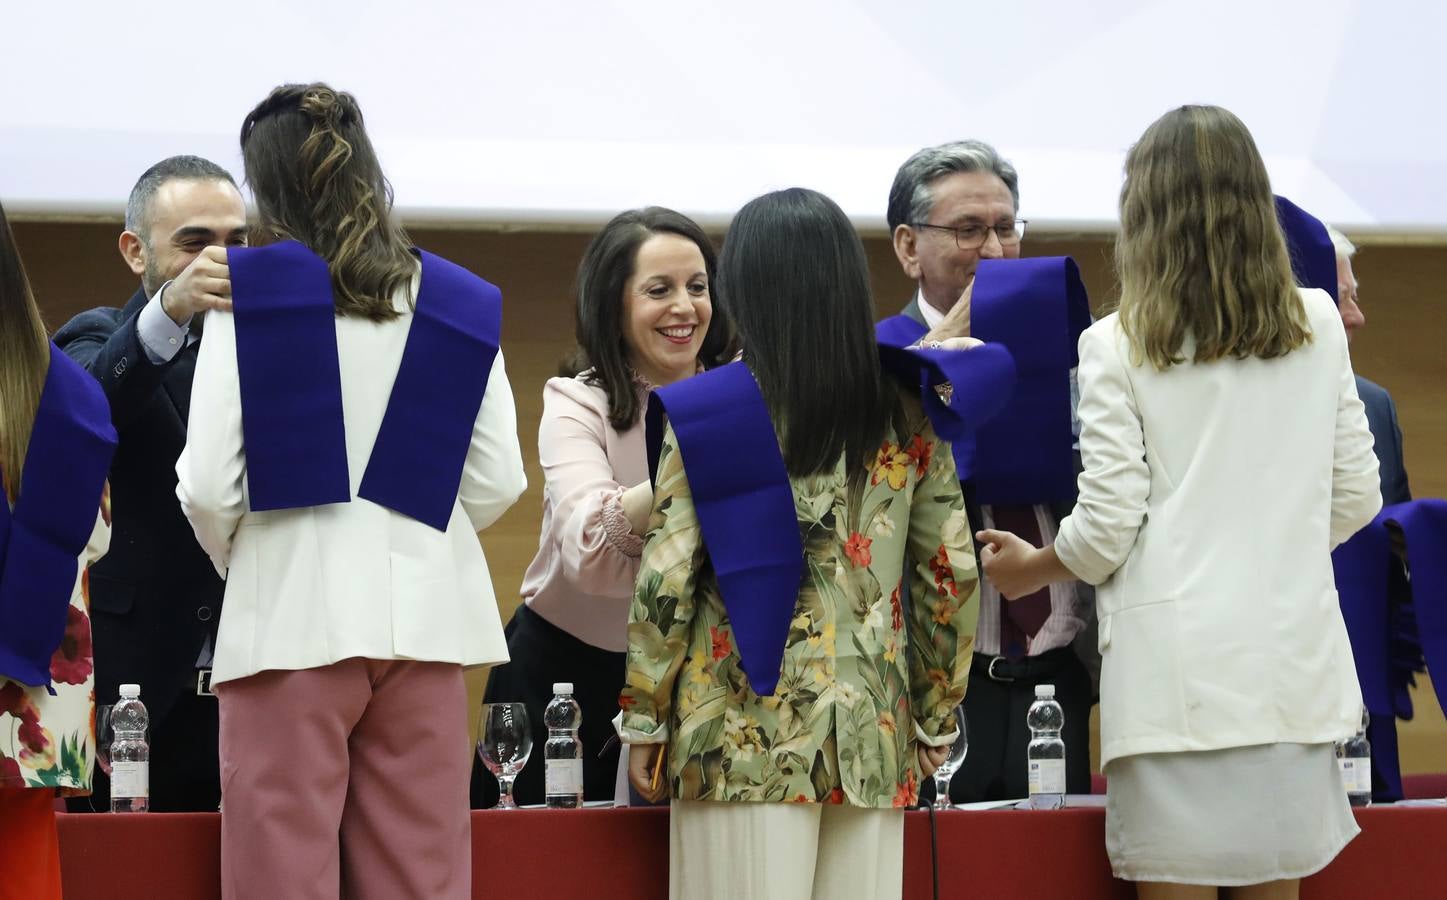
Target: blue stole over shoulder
column 1313, row 257
column 741, row 489
column 41, row 540
column 291, row 393
column 1034, row 309
column 291, row 379
column 745, row 506
column 1363, row 570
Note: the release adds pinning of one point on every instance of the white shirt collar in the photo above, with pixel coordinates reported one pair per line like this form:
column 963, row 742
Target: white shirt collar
column 932, row 316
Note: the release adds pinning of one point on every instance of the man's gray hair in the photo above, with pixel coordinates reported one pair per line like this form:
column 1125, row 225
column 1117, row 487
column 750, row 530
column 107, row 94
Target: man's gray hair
column 1344, row 247
column 138, row 207
column 910, row 197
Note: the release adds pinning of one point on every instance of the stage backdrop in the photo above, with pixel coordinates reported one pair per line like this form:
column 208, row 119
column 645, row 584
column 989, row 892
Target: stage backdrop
column 566, row 112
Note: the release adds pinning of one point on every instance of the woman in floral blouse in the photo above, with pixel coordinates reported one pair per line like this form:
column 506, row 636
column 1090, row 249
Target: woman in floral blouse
column 47, row 731
column 801, row 793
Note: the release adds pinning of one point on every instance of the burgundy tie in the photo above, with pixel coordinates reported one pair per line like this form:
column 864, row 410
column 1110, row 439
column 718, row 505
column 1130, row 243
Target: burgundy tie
column 1021, row 618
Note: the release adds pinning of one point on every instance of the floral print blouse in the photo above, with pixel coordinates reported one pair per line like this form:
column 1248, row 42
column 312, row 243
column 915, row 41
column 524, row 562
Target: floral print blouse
column 867, row 671
column 47, row 740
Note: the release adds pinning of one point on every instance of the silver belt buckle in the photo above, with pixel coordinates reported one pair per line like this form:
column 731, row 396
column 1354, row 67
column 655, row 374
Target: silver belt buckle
column 203, row 683
column 990, row 671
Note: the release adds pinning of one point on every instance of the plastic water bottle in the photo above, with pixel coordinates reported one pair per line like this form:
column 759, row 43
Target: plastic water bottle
column 1046, row 752
column 563, row 753
column 1354, row 759
column 130, row 754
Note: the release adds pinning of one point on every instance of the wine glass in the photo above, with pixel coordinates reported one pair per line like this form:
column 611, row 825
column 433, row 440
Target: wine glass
column 504, row 745
column 103, row 736
column 952, row 763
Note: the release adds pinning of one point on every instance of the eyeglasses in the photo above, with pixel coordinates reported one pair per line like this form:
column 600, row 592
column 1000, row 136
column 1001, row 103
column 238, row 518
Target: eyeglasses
column 973, row 237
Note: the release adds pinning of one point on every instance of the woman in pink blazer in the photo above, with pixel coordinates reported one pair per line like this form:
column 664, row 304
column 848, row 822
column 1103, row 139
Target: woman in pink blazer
column 645, row 318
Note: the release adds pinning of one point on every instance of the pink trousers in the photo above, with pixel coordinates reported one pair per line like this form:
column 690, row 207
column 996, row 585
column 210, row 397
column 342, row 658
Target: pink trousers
column 348, row 780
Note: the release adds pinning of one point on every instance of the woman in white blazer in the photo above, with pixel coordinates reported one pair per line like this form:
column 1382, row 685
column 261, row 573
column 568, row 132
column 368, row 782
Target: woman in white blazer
column 347, row 623
column 1225, row 454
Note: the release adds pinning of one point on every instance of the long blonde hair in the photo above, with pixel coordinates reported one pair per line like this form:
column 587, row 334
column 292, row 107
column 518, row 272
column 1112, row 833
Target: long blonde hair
column 24, row 360
column 1200, row 253
column 317, row 180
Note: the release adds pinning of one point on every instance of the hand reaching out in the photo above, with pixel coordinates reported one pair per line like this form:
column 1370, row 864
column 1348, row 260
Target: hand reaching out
column 204, row 284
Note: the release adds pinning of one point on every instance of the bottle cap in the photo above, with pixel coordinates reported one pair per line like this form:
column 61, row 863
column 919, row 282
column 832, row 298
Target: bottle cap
column 1045, row 691
column 562, row 687
column 130, row 691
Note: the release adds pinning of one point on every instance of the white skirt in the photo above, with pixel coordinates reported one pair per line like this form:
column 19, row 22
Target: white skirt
column 1243, row 815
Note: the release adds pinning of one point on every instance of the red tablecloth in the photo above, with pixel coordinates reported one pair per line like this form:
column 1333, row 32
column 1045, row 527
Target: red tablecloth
column 608, row 853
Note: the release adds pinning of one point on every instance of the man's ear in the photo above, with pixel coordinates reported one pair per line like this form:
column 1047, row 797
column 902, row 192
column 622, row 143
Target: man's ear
column 133, row 251
column 906, row 251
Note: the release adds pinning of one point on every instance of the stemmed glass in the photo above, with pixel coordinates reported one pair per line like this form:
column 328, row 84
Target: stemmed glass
column 103, row 737
column 504, row 743
column 952, row 763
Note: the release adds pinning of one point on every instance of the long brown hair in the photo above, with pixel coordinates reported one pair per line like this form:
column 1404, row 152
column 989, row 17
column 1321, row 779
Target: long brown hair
column 1200, row 252
column 24, row 360
column 316, row 180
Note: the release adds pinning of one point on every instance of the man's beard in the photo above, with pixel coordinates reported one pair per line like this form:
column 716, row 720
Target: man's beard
column 151, row 278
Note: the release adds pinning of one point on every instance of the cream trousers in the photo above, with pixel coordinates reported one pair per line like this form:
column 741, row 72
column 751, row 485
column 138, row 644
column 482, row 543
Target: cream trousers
column 784, row 851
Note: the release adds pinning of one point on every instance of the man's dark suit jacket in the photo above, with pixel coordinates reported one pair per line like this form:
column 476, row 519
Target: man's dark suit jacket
column 1387, row 434
column 1387, row 438
column 155, row 597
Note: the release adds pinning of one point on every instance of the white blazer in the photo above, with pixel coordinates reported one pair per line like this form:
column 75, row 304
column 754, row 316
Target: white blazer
column 309, row 587
column 1211, row 498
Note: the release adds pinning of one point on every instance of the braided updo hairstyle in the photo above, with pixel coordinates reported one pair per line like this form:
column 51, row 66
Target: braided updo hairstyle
column 316, row 180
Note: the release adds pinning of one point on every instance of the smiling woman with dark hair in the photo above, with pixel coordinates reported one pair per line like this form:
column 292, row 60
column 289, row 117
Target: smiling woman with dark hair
column 645, row 319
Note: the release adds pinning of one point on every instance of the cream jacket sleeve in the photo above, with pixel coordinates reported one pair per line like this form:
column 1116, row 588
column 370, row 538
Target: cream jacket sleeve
column 1115, row 484
column 212, row 468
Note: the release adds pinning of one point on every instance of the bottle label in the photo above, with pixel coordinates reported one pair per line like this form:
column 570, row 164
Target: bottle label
column 1356, row 774
column 565, row 777
column 1047, row 776
column 130, row 779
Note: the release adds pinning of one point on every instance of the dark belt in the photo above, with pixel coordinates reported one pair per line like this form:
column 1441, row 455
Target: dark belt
column 1026, row 669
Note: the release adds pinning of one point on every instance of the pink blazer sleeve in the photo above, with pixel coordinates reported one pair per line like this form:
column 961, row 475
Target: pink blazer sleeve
column 597, row 549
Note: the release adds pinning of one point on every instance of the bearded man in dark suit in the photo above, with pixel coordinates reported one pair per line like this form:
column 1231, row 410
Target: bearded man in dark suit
column 155, row 597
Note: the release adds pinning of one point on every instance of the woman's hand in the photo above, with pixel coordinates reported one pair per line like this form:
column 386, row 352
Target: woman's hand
column 638, row 506
column 931, row 758
column 1010, row 562
column 643, row 761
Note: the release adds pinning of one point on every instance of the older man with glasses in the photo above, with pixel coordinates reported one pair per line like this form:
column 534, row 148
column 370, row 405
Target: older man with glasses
column 950, row 207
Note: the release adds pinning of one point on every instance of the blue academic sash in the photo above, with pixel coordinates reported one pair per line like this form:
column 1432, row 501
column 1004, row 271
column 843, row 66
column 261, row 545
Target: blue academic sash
column 1035, row 309
column 291, row 377
column 1313, row 257
column 291, row 385
column 1362, row 568
column 745, row 506
column 980, row 382
column 741, row 489
column 41, row 540
column 416, row 464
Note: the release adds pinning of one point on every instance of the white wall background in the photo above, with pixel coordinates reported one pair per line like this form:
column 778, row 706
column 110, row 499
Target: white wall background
column 568, row 111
